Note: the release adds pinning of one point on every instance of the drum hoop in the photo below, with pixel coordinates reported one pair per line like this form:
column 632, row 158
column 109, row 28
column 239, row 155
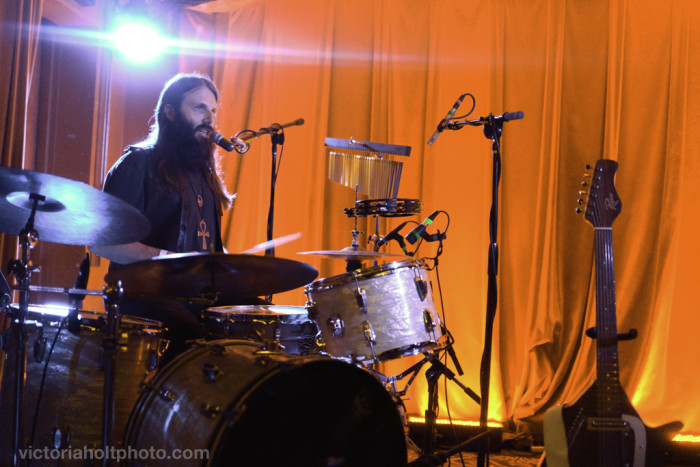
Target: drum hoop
column 258, row 310
column 386, row 207
column 362, row 274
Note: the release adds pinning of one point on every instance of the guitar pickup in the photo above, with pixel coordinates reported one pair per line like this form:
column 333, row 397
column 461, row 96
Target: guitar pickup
column 607, row 424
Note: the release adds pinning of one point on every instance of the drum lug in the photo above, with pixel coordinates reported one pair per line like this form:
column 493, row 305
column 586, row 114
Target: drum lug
column 166, row 395
column 422, row 288
column 361, row 298
column 153, row 359
column 312, row 310
column 60, row 437
column 211, row 410
column 216, row 349
column 370, row 336
column 337, row 326
column 211, row 372
column 428, row 320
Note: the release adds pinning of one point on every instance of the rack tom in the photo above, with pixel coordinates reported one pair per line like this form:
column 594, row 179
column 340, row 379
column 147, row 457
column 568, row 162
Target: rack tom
column 376, row 314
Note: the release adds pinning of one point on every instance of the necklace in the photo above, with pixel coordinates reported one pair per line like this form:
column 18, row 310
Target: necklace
column 199, row 195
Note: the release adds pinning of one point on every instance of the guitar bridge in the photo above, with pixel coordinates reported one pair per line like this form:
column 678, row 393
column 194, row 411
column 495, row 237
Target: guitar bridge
column 607, row 424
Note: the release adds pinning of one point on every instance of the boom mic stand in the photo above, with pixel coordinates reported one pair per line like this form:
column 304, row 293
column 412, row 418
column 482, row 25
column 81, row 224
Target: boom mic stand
column 276, row 132
column 493, row 127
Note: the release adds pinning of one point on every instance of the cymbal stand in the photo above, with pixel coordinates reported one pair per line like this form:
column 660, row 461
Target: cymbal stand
column 351, row 263
column 112, row 295
column 22, row 270
column 432, row 374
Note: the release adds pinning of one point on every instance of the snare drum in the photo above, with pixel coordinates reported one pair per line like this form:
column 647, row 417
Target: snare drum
column 231, row 402
column 376, row 314
column 288, row 326
column 65, row 408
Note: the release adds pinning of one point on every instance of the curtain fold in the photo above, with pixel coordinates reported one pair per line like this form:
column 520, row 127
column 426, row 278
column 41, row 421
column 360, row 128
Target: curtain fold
column 20, row 33
column 595, row 79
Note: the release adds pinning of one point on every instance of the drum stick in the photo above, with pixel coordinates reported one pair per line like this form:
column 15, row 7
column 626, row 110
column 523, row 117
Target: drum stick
column 275, row 242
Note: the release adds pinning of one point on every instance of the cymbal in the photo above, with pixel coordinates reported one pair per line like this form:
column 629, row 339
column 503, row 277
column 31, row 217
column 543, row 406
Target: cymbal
column 230, row 277
column 70, row 212
column 350, row 254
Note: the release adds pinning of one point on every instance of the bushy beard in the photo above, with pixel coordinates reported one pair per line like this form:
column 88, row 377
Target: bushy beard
column 189, row 151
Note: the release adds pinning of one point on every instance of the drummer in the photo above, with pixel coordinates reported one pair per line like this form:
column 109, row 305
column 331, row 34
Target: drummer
column 173, row 178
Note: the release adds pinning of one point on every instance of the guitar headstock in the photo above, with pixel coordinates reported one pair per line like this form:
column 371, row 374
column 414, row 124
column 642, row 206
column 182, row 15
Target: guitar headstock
column 602, row 204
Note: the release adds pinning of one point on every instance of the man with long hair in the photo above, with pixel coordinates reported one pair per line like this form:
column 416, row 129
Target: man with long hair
column 172, row 175
column 172, row 178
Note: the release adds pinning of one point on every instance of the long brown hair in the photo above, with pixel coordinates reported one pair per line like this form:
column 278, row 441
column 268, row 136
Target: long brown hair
column 170, row 168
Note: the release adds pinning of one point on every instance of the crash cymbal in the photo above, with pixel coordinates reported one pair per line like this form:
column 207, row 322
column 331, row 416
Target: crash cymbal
column 228, row 277
column 68, row 212
column 350, row 254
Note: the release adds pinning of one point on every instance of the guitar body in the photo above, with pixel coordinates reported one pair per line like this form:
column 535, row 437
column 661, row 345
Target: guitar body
column 602, row 428
column 575, row 436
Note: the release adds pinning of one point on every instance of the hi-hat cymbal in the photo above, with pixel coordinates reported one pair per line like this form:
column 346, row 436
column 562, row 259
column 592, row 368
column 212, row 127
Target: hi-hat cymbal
column 68, row 212
column 350, row 254
column 227, row 277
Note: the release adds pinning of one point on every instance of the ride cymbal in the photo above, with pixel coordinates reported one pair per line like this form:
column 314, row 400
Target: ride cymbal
column 223, row 276
column 350, row 254
column 67, row 211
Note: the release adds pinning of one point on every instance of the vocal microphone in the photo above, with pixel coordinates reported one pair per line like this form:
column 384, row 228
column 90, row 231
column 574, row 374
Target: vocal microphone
column 417, row 233
column 443, row 123
column 228, row 144
column 394, row 235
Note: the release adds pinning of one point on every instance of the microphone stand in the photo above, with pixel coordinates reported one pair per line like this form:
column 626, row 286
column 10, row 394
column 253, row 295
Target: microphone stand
column 277, row 137
column 493, row 127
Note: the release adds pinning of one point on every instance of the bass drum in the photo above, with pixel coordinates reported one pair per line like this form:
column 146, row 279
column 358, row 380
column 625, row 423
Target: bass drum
column 247, row 406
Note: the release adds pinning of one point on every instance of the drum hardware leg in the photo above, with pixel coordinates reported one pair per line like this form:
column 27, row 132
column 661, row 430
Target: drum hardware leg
column 76, row 300
column 22, row 270
column 450, row 349
column 112, row 295
column 437, row 368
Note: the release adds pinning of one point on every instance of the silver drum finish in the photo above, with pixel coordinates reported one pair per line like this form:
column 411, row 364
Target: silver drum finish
column 286, row 326
column 250, row 407
column 66, row 408
column 376, row 314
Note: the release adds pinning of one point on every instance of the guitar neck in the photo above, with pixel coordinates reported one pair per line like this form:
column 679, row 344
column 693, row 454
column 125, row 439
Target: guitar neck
column 608, row 375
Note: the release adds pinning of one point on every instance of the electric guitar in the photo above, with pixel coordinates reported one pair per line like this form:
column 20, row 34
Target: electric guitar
column 602, row 427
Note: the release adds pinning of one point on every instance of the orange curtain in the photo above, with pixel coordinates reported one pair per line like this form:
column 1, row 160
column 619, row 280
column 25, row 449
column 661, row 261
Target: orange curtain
column 595, row 79
column 18, row 55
